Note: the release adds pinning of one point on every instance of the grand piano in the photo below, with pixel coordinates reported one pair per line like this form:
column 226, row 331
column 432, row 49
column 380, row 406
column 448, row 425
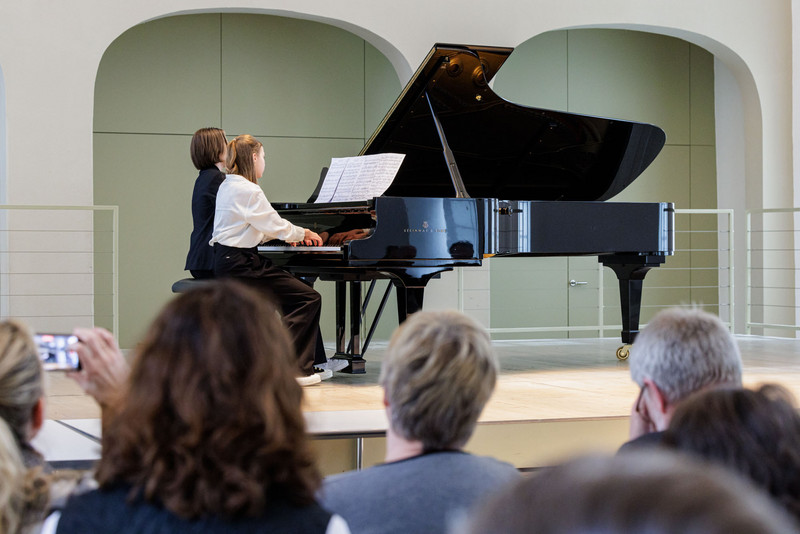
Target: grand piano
column 483, row 177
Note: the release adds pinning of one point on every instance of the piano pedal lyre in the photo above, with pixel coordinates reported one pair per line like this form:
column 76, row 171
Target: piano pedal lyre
column 623, row 352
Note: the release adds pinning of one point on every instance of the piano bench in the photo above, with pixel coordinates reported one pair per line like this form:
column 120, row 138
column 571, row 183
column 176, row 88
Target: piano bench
column 185, row 284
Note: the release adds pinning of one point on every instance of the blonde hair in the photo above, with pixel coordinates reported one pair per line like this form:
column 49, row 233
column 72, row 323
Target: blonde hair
column 21, row 377
column 24, row 493
column 240, row 156
column 439, row 372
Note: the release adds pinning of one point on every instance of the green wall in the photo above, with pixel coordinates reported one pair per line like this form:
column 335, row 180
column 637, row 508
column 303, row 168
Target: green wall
column 308, row 91
column 311, row 92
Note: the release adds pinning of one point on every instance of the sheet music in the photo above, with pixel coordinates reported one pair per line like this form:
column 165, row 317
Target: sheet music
column 359, row 177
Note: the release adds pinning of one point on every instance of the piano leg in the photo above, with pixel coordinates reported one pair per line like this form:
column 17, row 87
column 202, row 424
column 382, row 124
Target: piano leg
column 341, row 300
column 410, row 292
column 411, row 289
column 409, row 300
column 630, row 271
column 357, row 364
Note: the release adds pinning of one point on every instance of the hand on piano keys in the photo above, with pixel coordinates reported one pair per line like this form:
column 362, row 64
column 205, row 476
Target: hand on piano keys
column 310, row 239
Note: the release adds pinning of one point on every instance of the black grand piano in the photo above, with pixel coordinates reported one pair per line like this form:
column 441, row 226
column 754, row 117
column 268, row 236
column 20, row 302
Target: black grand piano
column 483, row 177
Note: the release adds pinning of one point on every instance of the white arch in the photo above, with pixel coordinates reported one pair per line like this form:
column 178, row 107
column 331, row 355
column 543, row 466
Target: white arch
column 739, row 116
column 50, row 59
column 743, row 156
column 392, row 53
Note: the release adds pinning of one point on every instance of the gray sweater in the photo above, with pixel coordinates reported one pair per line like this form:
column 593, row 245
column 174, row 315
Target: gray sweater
column 417, row 495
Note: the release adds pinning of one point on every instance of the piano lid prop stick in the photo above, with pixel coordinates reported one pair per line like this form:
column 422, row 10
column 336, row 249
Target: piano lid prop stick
column 452, row 168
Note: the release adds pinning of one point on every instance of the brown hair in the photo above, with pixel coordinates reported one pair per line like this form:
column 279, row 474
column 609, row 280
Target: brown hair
column 207, row 146
column 753, row 432
column 438, row 373
column 21, row 377
column 211, row 422
column 240, row 156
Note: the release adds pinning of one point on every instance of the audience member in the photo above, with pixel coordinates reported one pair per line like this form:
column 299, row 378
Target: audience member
column 22, row 395
column 754, row 432
column 22, row 407
column 23, row 491
column 650, row 491
column 22, row 399
column 680, row 352
column 439, row 371
column 208, row 435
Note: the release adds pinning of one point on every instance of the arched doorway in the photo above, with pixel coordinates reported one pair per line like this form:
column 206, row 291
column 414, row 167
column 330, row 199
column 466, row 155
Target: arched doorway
column 309, row 91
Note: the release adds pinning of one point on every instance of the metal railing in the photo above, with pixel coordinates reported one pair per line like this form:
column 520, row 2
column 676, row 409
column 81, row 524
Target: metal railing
column 772, row 270
column 59, row 266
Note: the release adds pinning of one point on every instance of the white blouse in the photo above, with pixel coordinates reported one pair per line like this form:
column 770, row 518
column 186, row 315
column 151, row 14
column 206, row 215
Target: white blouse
column 244, row 217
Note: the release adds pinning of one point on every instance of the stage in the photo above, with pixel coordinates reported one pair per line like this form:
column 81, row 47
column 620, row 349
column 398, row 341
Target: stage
column 554, row 399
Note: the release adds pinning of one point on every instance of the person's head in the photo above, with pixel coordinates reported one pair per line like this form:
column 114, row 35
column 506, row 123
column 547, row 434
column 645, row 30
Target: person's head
column 753, row 432
column 644, row 492
column 21, row 381
column 23, row 491
column 246, row 157
column 439, row 372
column 208, row 148
column 679, row 352
column 210, row 423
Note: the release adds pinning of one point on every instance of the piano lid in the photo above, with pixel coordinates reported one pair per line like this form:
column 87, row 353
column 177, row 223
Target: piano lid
column 504, row 150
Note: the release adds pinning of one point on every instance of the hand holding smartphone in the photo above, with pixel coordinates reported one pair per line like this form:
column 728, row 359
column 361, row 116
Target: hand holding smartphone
column 55, row 353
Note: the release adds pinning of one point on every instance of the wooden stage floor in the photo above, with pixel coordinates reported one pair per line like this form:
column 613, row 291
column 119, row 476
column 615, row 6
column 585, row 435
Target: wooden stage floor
column 539, row 380
column 545, row 389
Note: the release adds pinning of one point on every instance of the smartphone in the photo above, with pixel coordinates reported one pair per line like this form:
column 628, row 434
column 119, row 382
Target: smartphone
column 54, row 352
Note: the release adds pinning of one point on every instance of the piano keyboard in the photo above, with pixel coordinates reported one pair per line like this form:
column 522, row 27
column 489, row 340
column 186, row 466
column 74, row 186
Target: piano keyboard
column 300, row 248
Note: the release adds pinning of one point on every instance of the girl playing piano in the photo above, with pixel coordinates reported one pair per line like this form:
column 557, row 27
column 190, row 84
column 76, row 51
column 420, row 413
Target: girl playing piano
column 244, row 218
column 208, row 156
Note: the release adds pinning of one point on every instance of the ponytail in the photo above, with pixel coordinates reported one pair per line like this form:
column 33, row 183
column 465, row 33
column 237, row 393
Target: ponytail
column 240, row 156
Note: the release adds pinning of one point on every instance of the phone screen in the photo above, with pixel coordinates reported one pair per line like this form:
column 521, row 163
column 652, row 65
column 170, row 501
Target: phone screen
column 54, row 352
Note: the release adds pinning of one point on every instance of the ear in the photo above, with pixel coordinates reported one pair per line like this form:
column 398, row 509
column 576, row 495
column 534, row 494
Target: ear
column 385, row 400
column 37, row 418
column 658, row 406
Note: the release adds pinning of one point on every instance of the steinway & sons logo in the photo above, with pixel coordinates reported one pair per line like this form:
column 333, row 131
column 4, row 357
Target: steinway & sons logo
column 424, row 229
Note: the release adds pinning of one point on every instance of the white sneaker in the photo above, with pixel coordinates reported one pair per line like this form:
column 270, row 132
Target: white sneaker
column 309, row 380
column 334, row 364
column 323, row 374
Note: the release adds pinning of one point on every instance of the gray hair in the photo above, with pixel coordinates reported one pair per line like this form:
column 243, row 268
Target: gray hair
column 439, row 371
column 683, row 351
column 646, row 492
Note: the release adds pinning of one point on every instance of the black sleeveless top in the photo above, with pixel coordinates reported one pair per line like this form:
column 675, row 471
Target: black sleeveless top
column 104, row 511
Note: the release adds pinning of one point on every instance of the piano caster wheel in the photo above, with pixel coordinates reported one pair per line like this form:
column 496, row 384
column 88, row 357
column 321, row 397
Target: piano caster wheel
column 623, row 352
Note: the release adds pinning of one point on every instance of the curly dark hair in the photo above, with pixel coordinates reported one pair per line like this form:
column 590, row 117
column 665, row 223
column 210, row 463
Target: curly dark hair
column 753, row 432
column 211, row 422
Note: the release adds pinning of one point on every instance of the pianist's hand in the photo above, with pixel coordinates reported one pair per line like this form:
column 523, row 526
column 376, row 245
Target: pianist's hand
column 344, row 237
column 311, row 239
column 104, row 369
